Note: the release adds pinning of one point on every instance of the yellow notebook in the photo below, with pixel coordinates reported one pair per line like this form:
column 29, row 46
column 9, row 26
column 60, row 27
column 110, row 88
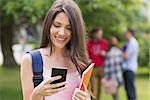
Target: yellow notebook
column 86, row 77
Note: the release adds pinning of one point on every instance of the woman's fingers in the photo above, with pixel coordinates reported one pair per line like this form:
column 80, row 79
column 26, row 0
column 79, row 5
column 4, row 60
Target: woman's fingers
column 58, row 89
column 53, row 91
column 76, row 98
column 54, row 88
column 47, row 89
column 48, row 81
column 80, row 92
column 81, row 95
column 57, row 85
column 85, row 87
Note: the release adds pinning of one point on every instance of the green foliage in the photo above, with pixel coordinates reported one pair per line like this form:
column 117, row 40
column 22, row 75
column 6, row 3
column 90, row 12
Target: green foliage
column 114, row 16
column 144, row 57
column 26, row 11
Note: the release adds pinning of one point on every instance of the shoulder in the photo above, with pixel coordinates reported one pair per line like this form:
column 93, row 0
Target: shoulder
column 118, row 50
column 90, row 42
column 26, row 61
column 136, row 42
column 26, row 58
column 26, row 66
column 133, row 43
column 133, row 40
column 104, row 41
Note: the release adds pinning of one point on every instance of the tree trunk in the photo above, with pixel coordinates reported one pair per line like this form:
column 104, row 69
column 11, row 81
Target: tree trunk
column 6, row 32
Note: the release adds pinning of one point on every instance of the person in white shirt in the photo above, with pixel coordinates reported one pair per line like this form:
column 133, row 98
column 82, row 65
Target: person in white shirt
column 131, row 64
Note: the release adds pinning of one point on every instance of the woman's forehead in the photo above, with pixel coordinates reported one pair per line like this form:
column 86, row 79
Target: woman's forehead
column 62, row 18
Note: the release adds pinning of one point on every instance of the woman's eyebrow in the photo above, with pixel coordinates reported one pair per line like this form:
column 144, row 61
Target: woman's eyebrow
column 58, row 22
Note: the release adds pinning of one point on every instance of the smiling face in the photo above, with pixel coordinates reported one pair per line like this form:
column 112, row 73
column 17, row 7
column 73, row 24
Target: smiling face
column 64, row 29
column 60, row 31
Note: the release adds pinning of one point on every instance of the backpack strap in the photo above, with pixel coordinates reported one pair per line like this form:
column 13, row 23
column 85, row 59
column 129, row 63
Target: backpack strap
column 37, row 67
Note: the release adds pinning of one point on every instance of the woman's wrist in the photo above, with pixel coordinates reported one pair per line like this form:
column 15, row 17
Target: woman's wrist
column 35, row 95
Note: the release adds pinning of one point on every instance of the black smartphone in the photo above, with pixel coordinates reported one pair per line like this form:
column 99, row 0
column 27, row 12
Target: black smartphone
column 59, row 72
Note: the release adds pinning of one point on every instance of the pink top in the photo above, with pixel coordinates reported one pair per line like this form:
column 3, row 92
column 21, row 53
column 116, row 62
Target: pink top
column 73, row 80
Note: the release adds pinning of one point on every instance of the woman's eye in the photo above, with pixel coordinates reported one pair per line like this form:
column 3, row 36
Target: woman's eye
column 69, row 28
column 56, row 25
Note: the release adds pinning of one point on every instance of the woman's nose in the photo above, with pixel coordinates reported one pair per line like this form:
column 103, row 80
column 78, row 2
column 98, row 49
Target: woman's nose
column 62, row 31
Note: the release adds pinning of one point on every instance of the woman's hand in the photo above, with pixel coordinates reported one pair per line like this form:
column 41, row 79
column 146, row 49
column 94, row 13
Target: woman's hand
column 81, row 95
column 47, row 89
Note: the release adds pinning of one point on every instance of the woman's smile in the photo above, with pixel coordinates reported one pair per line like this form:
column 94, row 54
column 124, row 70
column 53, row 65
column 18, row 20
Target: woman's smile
column 61, row 39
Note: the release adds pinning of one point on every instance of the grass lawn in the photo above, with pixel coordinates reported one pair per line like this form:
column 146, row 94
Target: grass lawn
column 10, row 87
column 142, row 87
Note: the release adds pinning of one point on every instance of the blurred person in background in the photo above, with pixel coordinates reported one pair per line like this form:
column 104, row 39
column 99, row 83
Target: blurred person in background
column 130, row 54
column 22, row 47
column 113, row 68
column 97, row 48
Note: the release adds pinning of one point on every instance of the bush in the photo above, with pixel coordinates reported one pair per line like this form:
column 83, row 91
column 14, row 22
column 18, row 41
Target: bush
column 144, row 50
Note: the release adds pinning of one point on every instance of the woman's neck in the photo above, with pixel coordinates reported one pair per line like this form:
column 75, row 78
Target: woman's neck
column 58, row 52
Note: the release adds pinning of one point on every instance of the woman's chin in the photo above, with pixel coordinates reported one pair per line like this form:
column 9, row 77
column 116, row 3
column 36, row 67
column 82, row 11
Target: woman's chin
column 60, row 46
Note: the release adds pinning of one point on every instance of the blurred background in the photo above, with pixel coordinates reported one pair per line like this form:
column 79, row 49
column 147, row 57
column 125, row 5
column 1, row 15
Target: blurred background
column 21, row 27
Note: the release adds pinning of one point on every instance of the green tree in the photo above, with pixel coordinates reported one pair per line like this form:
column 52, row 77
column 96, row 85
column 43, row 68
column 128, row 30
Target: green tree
column 16, row 13
column 114, row 16
column 144, row 51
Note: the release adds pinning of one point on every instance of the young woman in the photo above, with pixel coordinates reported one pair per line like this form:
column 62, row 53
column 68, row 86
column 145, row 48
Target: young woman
column 62, row 46
column 113, row 67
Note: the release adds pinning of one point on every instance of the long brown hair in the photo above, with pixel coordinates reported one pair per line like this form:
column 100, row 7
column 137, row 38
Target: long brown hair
column 76, row 45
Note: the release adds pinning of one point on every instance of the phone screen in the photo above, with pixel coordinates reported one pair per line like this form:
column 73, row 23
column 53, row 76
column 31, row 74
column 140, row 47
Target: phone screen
column 59, row 72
